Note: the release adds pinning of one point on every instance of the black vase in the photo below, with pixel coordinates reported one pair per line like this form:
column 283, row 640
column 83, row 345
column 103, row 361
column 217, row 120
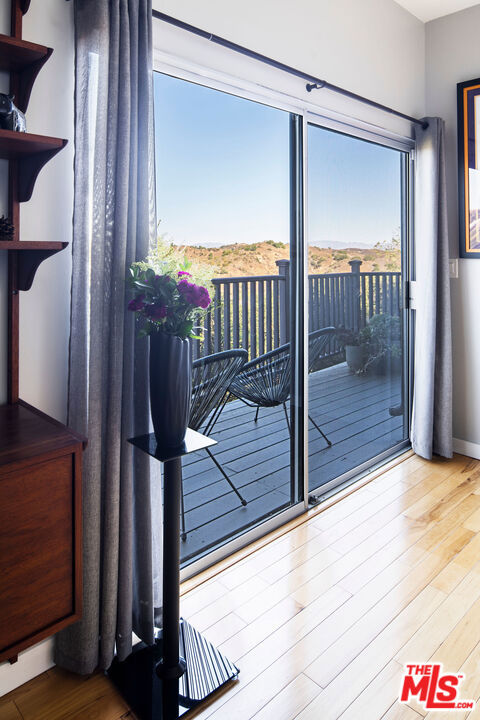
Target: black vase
column 170, row 388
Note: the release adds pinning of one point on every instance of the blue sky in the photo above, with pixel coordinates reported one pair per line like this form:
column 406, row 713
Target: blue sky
column 354, row 190
column 222, row 174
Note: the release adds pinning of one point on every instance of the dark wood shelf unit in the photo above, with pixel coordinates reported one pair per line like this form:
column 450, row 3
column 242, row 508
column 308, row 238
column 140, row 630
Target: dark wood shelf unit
column 40, row 459
column 30, row 256
column 32, row 245
column 17, row 55
column 31, row 152
column 25, row 59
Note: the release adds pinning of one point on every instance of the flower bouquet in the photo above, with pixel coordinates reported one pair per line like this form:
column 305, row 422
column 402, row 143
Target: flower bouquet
column 169, row 295
column 169, row 298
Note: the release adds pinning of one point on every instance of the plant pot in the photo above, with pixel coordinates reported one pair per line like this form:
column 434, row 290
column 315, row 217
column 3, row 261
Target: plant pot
column 355, row 357
column 395, row 365
column 386, row 365
column 170, row 388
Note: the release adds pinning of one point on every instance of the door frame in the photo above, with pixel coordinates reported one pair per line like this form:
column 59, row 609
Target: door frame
column 310, row 113
column 407, row 146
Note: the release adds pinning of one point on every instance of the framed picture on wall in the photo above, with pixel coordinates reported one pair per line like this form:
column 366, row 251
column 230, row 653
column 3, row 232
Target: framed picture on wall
column 468, row 109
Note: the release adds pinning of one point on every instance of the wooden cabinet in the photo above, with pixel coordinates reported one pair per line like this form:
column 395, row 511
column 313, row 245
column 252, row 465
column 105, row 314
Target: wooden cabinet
column 40, row 459
column 40, row 527
column 40, row 530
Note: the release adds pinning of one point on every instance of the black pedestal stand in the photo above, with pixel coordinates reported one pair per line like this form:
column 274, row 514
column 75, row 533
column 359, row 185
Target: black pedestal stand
column 164, row 681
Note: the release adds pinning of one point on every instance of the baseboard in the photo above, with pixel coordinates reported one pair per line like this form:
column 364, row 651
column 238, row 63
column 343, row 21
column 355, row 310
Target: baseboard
column 31, row 662
column 464, row 447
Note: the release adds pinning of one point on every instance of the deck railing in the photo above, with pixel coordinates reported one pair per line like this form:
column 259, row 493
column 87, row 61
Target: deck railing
column 253, row 312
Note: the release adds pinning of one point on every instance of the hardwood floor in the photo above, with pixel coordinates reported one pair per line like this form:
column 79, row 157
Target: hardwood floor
column 321, row 620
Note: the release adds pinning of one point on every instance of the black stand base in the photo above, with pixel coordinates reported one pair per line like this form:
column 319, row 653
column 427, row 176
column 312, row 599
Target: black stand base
column 137, row 680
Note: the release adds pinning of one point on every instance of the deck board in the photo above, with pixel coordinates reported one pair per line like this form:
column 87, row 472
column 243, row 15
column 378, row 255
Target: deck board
column 352, row 410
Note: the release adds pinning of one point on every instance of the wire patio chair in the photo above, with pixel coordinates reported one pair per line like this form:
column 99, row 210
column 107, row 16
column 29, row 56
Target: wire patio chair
column 211, row 379
column 265, row 381
column 317, row 342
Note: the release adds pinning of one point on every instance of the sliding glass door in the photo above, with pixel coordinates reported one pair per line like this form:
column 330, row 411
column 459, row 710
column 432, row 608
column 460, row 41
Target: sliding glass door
column 357, row 263
column 228, row 198
column 240, row 186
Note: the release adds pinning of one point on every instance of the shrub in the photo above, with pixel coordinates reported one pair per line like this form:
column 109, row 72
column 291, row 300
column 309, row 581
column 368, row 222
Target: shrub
column 381, row 338
column 346, row 336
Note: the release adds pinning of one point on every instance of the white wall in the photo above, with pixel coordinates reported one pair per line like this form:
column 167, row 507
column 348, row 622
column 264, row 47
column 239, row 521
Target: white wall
column 45, row 309
column 452, row 56
column 372, row 47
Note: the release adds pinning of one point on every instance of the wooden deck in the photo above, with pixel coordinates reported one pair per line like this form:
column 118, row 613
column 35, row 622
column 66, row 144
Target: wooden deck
column 353, row 412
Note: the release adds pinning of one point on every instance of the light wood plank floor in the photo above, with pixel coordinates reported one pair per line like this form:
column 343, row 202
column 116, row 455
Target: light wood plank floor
column 321, row 620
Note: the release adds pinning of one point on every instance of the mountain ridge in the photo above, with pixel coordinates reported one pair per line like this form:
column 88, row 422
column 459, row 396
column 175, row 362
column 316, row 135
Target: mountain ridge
column 244, row 259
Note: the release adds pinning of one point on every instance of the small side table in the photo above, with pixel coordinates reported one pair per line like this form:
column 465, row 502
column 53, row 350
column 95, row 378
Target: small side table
column 166, row 680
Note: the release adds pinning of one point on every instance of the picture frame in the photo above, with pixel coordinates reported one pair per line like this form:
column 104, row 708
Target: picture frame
column 468, row 117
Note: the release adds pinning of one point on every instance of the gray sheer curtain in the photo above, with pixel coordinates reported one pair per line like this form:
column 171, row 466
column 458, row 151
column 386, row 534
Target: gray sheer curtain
column 114, row 222
column 432, row 401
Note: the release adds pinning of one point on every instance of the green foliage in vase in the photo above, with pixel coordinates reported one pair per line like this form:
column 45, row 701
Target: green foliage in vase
column 171, row 294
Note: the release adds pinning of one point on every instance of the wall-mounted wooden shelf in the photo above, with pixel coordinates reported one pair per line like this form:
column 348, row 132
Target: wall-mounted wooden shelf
column 40, row 459
column 32, row 152
column 30, row 256
column 26, row 59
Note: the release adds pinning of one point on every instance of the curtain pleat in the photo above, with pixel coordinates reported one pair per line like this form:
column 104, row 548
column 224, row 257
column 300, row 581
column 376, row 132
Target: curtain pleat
column 114, row 224
column 432, row 398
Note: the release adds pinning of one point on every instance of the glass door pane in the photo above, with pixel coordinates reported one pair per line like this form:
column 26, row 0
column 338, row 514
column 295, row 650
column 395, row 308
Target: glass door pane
column 357, row 231
column 223, row 184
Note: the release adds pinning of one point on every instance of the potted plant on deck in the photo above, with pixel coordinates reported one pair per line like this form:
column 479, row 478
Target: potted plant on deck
column 350, row 341
column 376, row 347
column 170, row 297
column 381, row 340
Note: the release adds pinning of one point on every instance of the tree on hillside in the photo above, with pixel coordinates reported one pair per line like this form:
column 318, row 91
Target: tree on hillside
column 392, row 245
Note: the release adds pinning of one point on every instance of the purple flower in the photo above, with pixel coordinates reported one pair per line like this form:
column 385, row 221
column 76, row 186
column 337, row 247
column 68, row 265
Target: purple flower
column 204, row 298
column 196, row 295
column 162, row 281
column 137, row 303
column 156, row 312
column 183, row 272
column 187, row 289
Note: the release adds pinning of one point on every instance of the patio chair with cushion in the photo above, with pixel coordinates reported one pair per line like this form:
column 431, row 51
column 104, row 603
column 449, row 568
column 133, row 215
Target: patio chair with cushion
column 211, row 379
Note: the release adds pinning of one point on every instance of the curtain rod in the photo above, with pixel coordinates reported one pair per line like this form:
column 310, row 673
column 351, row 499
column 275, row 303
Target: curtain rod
column 313, row 83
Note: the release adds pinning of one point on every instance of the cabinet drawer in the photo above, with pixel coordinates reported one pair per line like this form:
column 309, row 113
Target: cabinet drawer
column 37, row 548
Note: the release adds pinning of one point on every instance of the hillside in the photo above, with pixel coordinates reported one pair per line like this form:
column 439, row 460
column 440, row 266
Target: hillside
column 259, row 259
